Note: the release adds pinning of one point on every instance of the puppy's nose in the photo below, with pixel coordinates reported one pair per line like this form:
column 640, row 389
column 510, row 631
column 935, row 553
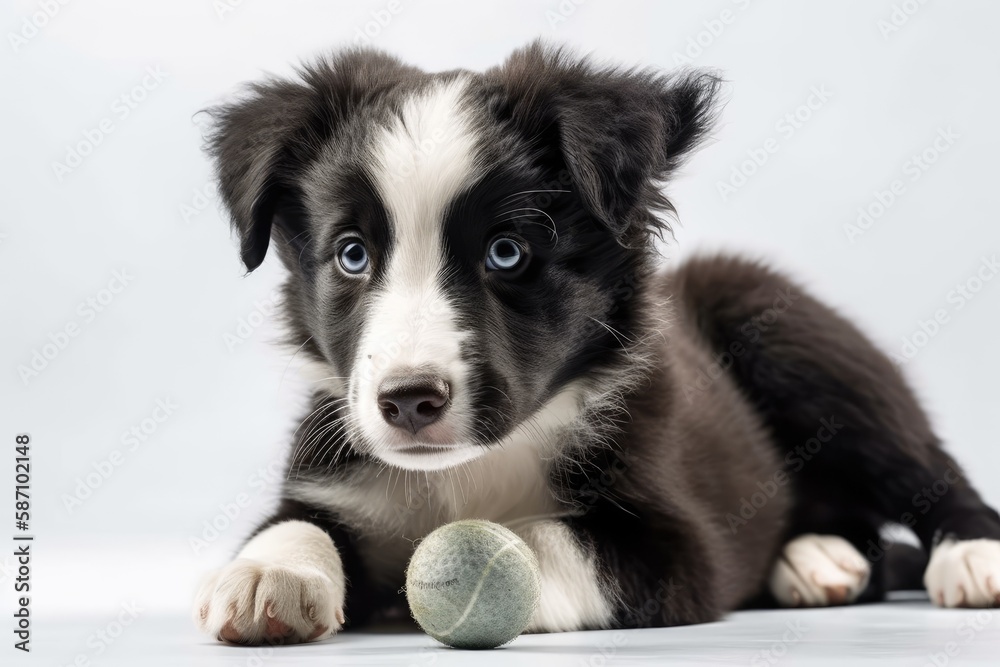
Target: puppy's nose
column 411, row 402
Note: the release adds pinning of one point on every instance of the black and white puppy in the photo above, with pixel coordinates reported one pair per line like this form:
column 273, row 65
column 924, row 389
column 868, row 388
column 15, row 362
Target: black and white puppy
column 472, row 277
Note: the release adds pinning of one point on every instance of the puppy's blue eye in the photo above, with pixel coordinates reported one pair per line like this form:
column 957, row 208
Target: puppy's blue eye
column 354, row 257
column 504, row 255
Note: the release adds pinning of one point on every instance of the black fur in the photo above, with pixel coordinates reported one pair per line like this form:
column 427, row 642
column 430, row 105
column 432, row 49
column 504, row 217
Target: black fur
column 695, row 415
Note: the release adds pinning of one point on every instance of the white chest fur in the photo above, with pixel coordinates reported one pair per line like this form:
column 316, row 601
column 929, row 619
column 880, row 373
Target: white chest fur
column 391, row 508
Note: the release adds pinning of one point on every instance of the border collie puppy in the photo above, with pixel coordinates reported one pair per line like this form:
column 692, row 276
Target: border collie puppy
column 472, row 277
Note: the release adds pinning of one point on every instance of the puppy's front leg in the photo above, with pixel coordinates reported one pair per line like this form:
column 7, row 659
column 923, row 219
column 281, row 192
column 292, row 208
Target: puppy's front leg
column 574, row 596
column 601, row 571
column 287, row 585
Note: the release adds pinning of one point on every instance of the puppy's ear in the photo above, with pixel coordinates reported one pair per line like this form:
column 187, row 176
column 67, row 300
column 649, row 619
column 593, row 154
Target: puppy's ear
column 263, row 142
column 621, row 132
column 258, row 146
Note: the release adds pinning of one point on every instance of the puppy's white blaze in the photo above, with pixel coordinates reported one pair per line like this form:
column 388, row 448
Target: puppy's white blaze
column 421, row 162
column 573, row 597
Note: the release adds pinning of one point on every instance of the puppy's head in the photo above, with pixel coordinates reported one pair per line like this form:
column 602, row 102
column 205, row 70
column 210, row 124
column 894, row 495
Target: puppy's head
column 464, row 248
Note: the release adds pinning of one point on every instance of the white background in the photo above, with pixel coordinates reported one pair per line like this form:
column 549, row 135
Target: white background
column 163, row 336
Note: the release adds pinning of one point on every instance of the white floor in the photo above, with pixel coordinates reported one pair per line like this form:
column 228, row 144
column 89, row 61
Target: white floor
column 902, row 632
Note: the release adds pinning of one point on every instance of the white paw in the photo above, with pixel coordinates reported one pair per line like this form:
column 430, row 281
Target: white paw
column 964, row 573
column 252, row 602
column 819, row 571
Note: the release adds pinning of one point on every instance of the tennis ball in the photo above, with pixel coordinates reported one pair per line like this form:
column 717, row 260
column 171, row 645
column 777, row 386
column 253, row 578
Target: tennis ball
column 472, row 584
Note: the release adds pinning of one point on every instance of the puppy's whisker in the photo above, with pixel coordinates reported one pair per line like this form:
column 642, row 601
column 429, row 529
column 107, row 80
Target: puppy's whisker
column 289, row 364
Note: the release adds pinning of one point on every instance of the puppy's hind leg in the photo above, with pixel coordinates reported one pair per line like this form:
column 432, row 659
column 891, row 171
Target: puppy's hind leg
column 807, row 369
